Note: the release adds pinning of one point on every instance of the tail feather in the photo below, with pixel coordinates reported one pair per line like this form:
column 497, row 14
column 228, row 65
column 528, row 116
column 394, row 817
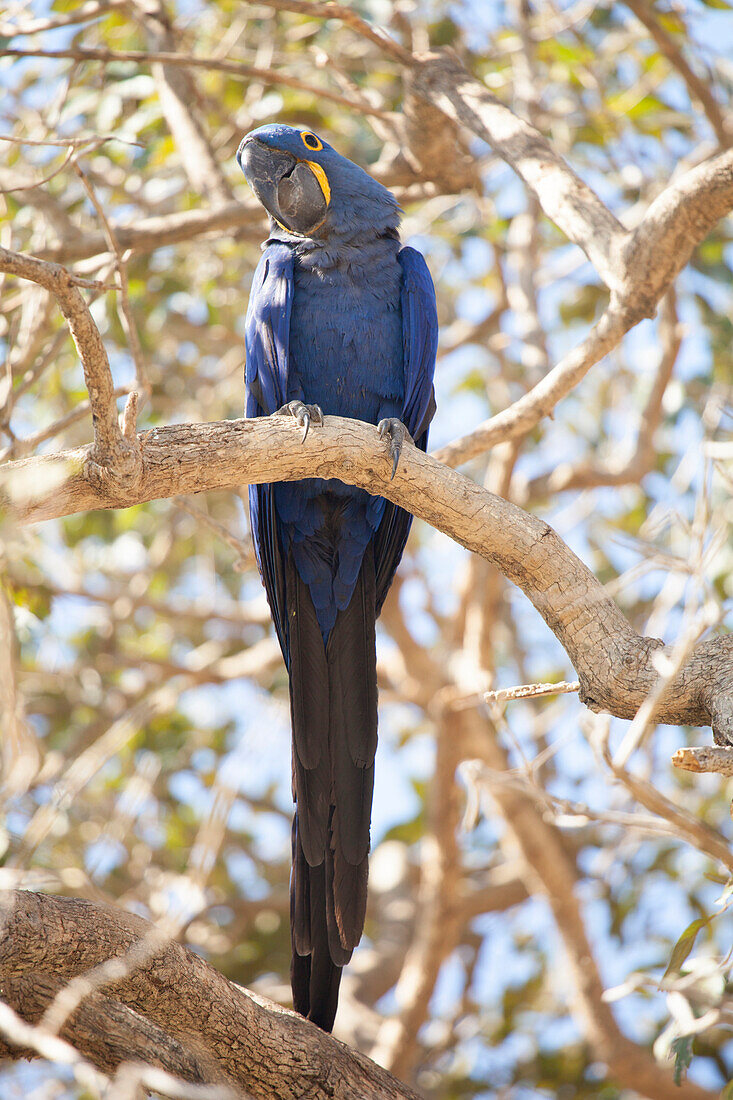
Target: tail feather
column 314, row 977
column 312, row 792
column 333, row 692
column 325, row 975
column 309, row 707
column 353, row 787
column 349, row 893
column 300, row 906
column 300, row 981
column 351, row 654
column 334, row 922
column 309, row 703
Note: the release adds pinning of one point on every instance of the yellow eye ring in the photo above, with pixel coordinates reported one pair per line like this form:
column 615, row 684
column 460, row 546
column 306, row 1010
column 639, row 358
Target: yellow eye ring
column 311, row 141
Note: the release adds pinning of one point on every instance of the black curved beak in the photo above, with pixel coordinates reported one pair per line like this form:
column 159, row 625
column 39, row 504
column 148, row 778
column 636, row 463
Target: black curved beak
column 284, row 185
column 263, row 169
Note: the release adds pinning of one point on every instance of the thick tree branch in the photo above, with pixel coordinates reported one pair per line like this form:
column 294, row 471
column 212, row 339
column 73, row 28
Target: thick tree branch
column 673, row 226
column 646, row 266
column 113, row 1035
column 615, row 665
column 623, row 468
column 564, row 197
column 520, row 417
column 174, row 1011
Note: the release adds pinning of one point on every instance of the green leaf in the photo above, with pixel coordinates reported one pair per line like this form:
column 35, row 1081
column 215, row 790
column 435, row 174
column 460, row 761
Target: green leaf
column 684, row 945
column 682, row 1051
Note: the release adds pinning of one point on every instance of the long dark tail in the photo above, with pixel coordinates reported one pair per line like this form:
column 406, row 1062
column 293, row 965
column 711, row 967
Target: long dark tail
column 333, row 703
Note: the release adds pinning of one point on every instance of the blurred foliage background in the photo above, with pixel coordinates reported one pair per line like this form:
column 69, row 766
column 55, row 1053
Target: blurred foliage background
column 146, row 739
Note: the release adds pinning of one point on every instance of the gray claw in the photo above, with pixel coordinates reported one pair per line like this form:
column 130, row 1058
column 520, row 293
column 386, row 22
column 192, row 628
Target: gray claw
column 395, row 452
column 303, row 414
column 395, row 431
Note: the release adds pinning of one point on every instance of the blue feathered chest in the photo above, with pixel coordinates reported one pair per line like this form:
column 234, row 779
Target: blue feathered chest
column 346, row 346
column 348, row 325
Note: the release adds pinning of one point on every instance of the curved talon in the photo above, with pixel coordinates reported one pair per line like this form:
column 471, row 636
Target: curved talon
column 395, row 452
column 314, row 413
column 303, row 414
column 393, row 429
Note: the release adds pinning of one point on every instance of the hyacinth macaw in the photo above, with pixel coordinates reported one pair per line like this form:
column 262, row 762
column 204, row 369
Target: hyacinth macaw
column 341, row 320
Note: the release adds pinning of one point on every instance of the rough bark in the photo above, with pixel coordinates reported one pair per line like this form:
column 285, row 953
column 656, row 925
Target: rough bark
column 174, row 1011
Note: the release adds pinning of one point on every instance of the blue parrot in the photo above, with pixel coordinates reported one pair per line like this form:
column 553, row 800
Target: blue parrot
column 341, row 320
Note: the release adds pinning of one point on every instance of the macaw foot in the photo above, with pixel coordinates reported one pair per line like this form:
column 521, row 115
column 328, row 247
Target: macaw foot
column 304, row 414
column 395, row 431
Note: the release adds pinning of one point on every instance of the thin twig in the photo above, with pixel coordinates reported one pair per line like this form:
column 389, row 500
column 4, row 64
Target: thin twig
column 698, row 89
column 705, row 758
column 97, row 373
column 24, row 445
column 526, row 411
column 332, row 10
column 618, row 470
column 74, row 143
column 235, row 68
column 529, row 691
column 28, row 186
column 128, row 318
column 83, row 14
column 241, row 547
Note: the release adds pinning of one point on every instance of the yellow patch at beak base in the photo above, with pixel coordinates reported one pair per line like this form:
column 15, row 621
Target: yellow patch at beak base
column 322, row 178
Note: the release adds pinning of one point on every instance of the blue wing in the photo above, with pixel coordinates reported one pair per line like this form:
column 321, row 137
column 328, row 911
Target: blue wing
column 420, row 346
column 267, row 331
column 420, row 343
column 267, row 334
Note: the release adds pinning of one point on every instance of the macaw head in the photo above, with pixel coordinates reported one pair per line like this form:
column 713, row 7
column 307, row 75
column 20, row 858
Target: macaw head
column 309, row 189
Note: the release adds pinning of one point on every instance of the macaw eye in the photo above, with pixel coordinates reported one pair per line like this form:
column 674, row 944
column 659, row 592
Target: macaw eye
column 311, row 141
